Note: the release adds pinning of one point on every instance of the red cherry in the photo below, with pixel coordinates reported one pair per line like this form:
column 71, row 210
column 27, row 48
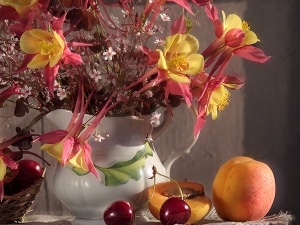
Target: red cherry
column 174, row 211
column 29, row 171
column 119, row 213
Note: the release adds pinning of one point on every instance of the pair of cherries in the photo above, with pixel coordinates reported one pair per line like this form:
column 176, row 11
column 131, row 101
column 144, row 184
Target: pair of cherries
column 174, row 211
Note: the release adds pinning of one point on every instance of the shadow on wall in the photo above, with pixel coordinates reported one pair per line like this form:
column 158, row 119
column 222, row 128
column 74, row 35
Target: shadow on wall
column 272, row 113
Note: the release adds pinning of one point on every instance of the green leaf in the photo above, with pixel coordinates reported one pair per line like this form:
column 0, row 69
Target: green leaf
column 148, row 150
column 122, row 172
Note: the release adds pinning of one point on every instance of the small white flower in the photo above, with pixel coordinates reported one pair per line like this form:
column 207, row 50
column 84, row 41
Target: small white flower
column 159, row 41
column 149, row 94
column 48, row 97
column 61, row 93
column 96, row 75
column 155, row 119
column 26, row 91
column 56, row 85
column 125, row 13
column 109, row 54
column 97, row 137
column 165, row 17
column 115, row 20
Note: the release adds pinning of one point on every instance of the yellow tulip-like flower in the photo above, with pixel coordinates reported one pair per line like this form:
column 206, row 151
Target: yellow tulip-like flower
column 2, row 169
column 218, row 101
column 233, row 21
column 21, row 6
column 56, row 151
column 180, row 58
column 47, row 46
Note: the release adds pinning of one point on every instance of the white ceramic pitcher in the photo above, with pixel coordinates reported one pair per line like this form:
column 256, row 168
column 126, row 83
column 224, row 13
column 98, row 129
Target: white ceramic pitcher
column 122, row 161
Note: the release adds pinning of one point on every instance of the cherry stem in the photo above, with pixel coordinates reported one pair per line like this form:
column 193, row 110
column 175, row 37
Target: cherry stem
column 152, row 193
column 179, row 188
column 154, row 171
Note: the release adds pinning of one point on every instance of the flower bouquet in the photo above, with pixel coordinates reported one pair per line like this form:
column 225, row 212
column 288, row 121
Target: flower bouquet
column 108, row 59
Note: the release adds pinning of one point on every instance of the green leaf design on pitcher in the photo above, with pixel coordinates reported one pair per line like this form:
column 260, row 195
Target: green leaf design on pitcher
column 121, row 172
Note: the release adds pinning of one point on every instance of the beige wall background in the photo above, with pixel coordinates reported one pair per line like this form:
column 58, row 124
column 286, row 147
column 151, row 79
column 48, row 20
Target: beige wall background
column 262, row 120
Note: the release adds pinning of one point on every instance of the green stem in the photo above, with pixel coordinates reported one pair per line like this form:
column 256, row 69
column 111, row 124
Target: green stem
column 152, row 193
column 179, row 188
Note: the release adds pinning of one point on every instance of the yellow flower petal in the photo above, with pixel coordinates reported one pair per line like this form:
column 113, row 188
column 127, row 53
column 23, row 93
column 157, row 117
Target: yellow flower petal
column 196, row 64
column 218, row 101
column 78, row 162
column 170, row 42
column 21, row 6
column 178, row 78
column 231, row 21
column 213, row 111
column 55, row 150
column 250, row 38
column 189, row 44
column 162, row 64
column 47, row 46
column 55, row 59
column 28, row 43
column 38, row 62
column 2, row 169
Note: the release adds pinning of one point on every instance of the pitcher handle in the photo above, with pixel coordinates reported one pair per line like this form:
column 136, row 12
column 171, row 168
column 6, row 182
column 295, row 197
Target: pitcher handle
column 185, row 149
column 167, row 119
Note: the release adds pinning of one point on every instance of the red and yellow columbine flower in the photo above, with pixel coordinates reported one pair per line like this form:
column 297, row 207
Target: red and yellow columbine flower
column 175, row 64
column 180, row 57
column 234, row 37
column 21, row 6
column 178, row 62
column 213, row 95
column 218, row 101
column 47, row 49
column 70, row 150
column 46, row 46
column 71, row 146
column 237, row 32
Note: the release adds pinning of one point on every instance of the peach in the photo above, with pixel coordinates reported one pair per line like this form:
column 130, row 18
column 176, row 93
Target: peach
column 194, row 196
column 243, row 189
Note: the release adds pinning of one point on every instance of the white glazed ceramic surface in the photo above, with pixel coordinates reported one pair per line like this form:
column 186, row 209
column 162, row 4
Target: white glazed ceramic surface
column 87, row 196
